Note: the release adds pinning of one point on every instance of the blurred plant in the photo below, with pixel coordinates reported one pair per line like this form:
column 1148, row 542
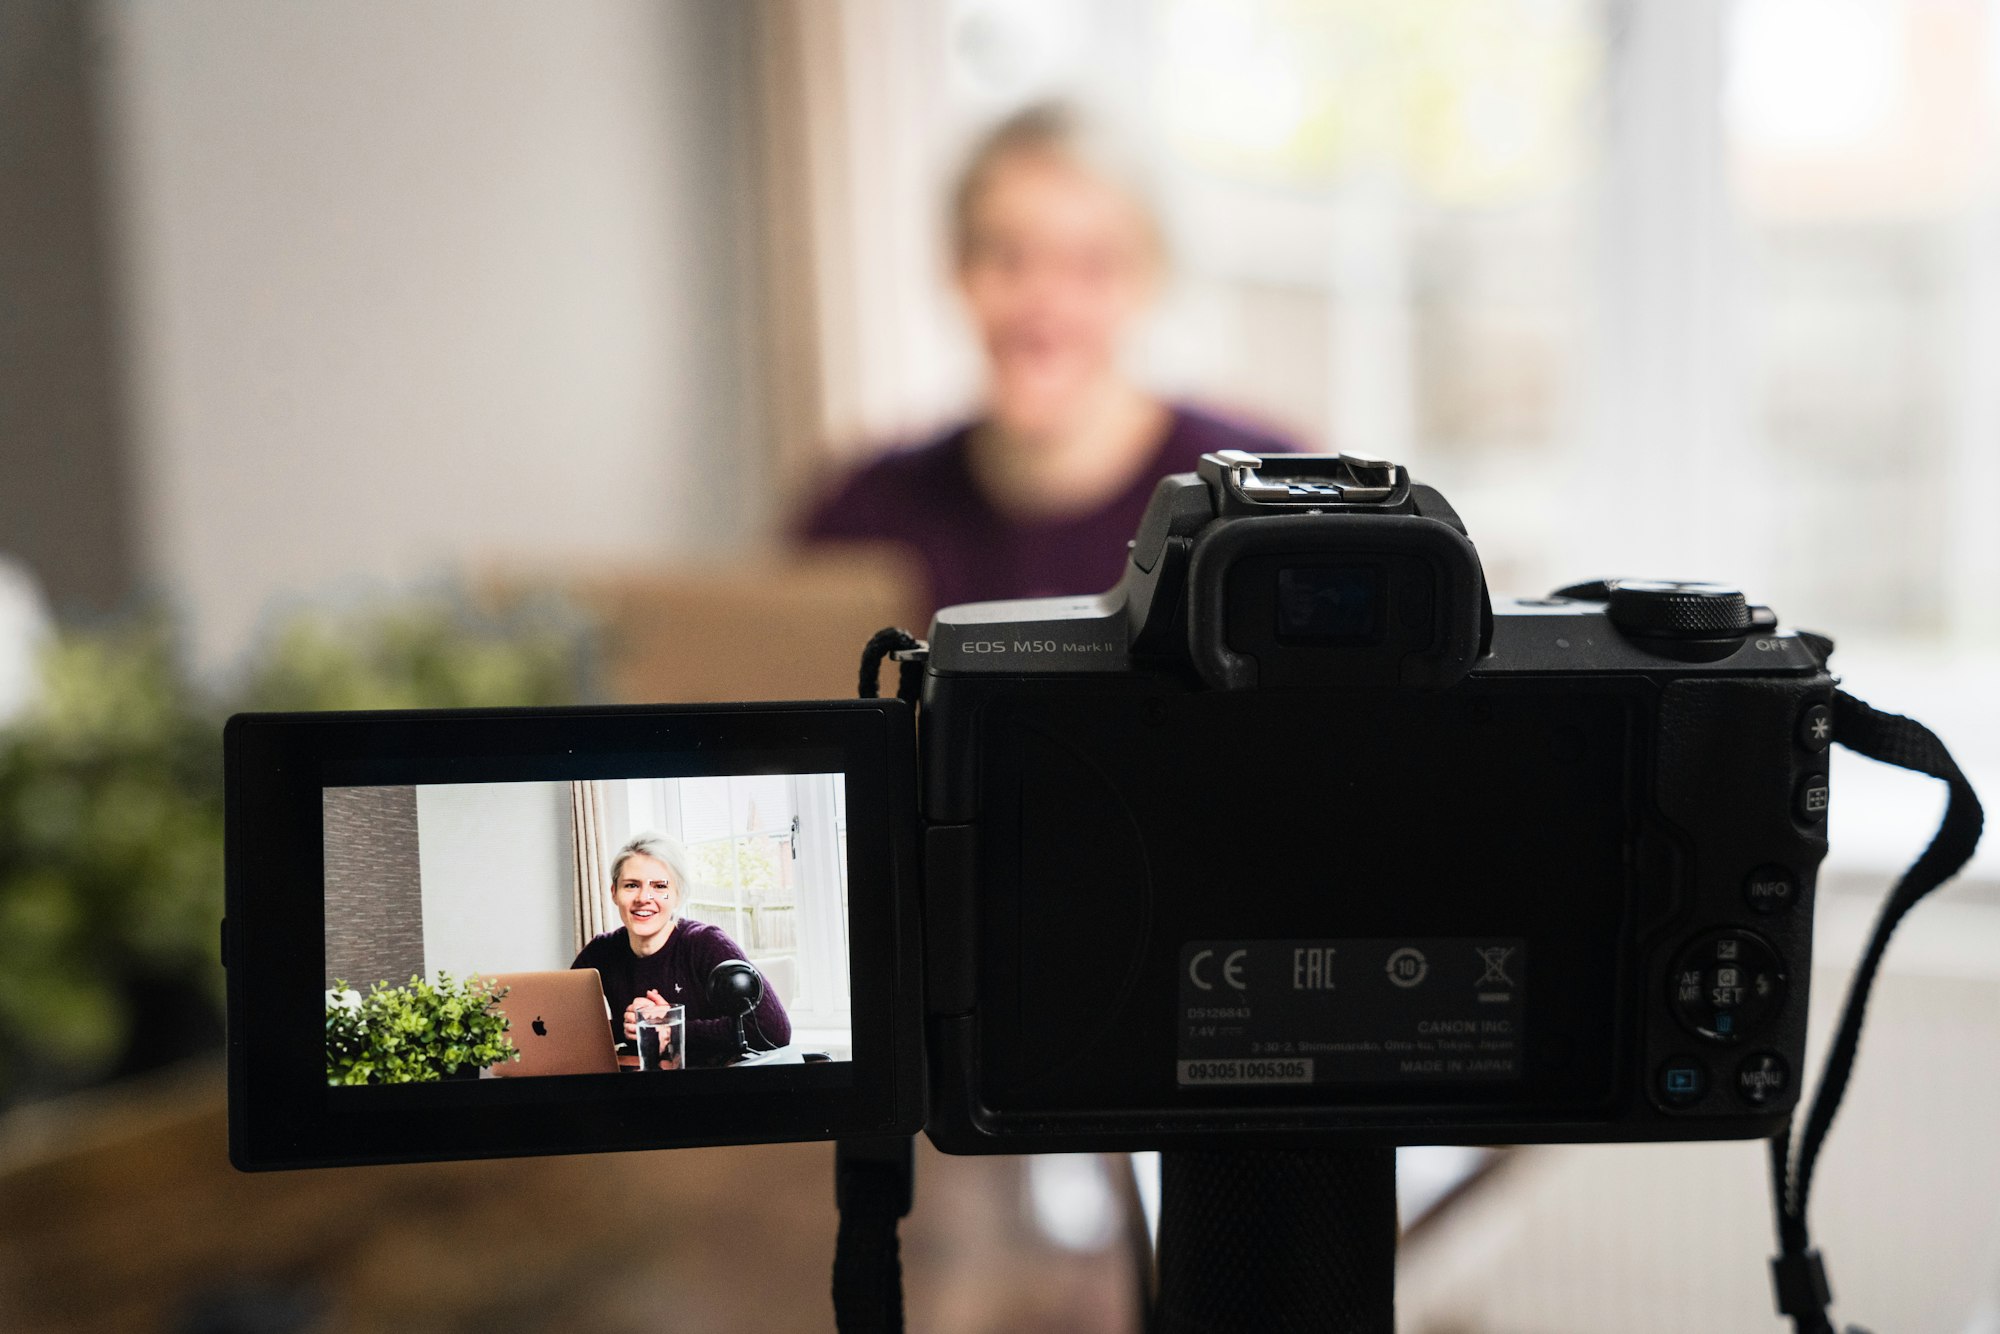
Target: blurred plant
column 726, row 866
column 110, row 859
column 111, row 810
column 740, row 883
column 415, row 1033
column 435, row 652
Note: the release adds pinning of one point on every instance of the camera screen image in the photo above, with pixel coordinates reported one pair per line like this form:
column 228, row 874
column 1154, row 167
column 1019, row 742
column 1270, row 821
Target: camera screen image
column 502, row 930
column 1330, row 605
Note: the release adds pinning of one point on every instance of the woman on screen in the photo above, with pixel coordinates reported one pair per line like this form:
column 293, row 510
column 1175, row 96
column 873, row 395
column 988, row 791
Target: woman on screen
column 659, row 957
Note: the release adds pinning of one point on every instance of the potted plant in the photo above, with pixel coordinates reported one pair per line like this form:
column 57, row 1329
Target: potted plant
column 111, row 807
column 419, row 1032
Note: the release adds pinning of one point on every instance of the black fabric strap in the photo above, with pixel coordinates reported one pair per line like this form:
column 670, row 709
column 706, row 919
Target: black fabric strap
column 910, row 673
column 1262, row 1241
column 1803, row 1293
column 873, row 1180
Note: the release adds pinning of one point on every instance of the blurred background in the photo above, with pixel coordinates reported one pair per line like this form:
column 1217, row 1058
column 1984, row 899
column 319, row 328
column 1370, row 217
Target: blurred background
column 389, row 354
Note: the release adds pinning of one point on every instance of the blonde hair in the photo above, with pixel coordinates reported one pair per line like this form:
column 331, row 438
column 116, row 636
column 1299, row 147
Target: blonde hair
column 668, row 852
column 1049, row 130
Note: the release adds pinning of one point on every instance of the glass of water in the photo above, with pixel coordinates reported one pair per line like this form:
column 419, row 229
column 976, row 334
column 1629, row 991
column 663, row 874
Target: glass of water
column 662, row 1037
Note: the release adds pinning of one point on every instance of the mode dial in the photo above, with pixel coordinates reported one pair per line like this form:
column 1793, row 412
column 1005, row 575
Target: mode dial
column 1669, row 609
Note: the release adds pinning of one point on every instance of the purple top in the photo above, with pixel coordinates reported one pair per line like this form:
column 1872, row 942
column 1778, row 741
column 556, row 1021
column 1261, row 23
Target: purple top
column 927, row 499
column 679, row 970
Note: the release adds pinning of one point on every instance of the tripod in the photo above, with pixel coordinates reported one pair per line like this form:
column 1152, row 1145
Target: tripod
column 1263, row 1240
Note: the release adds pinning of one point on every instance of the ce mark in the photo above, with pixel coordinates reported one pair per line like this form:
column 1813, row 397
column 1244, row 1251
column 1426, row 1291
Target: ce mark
column 1232, row 969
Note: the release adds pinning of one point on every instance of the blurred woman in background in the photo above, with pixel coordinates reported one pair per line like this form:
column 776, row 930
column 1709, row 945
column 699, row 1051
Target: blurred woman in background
column 1058, row 260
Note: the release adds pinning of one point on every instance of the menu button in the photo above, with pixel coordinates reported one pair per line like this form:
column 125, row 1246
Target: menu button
column 1763, row 1078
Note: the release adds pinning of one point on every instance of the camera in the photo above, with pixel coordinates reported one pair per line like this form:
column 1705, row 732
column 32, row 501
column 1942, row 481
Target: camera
column 1293, row 833
column 1294, row 836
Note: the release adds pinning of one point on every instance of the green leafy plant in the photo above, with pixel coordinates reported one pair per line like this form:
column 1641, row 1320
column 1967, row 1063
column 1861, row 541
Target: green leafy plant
column 110, row 864
column 434, row 651
column 415, row 1033
column 752, row 866
column 111, row 808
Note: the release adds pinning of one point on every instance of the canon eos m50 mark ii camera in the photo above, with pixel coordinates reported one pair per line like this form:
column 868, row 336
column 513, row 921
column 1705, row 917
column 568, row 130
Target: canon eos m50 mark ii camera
column 1294, row 833
column 1291, row 837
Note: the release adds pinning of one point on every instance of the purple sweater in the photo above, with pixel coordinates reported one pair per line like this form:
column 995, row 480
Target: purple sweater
column 927, row 499
column 679, row 971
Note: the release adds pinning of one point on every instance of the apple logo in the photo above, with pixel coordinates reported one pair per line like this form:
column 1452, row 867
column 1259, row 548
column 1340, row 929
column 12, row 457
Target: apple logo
column 541, row 1029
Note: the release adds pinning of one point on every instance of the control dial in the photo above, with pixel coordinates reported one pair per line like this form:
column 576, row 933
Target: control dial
column 1669, row 609
column 1727, row 985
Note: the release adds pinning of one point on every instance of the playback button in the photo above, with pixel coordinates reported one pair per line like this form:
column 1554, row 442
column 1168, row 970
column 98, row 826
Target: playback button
column 1683, row 1082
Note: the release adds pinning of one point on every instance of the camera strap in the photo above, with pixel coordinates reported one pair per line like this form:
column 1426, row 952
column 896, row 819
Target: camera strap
column 910, row 654
column 874, row 1179
column 1253, row 1240
column 1799, row 1275
column 873, row 1185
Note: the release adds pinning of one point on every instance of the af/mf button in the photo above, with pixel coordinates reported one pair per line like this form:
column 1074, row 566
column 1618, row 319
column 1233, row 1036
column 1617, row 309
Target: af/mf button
column 1727, row 985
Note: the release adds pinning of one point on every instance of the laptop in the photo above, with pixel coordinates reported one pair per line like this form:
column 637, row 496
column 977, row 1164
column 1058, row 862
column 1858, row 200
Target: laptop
column 559, row 1023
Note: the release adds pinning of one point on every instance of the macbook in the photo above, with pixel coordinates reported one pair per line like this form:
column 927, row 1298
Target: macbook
column 559, row 1023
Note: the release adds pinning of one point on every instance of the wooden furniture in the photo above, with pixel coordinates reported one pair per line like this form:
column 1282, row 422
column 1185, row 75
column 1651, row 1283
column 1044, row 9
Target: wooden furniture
column 772, row 627
column 119, row 1211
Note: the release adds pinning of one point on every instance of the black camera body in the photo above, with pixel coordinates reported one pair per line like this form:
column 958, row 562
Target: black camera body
column 1293, row 835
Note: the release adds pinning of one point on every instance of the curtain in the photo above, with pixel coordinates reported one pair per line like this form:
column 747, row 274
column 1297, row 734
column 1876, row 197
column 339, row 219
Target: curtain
column 858, row 336
column 592, row 892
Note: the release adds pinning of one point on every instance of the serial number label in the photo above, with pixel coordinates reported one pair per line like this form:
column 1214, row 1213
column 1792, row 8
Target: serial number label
column 1419, row 1010
column 1246, row 1072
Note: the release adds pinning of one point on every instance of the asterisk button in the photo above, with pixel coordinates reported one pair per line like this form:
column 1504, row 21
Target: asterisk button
column 1816, row 728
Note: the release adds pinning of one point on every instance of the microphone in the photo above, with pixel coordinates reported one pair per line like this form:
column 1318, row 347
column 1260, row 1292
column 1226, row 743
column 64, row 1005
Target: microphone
column 735, row 987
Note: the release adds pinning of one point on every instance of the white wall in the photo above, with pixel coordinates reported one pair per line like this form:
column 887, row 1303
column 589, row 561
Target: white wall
column 412, row 285
column 497, row 875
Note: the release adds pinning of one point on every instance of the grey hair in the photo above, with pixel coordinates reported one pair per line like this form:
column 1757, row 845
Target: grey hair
column 666, row 851
column 1056, row 130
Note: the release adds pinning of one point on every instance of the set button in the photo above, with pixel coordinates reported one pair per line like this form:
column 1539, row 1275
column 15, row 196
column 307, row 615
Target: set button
column 1727, row 985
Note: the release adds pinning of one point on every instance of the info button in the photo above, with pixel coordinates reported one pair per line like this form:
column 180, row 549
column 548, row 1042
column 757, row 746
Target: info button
column 1770, row 889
